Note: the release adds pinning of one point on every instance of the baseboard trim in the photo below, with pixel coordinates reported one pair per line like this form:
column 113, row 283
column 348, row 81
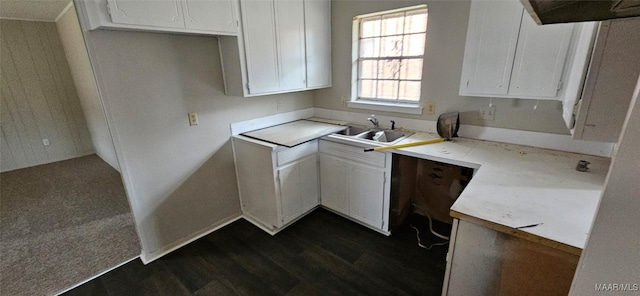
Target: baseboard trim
column 96, row 276
column 52, row 161
column 150, row 257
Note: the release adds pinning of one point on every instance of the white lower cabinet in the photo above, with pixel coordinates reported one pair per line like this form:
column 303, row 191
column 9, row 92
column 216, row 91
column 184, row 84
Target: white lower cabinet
column 355, row 183
column 366, row 194
column 277, row 185
column 298, row 182
column 333, row 183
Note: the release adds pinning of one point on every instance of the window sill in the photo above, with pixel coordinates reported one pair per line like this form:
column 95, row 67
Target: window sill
column 388, row 107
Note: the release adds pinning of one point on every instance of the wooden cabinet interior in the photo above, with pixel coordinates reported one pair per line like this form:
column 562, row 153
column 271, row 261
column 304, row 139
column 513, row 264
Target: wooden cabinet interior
column 425, row 187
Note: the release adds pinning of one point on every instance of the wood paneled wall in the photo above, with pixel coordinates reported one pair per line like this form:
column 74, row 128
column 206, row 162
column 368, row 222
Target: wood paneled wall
column 38, row 98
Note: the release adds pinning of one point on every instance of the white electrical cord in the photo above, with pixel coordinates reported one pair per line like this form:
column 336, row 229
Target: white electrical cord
column 420, row 243
column 430, row 223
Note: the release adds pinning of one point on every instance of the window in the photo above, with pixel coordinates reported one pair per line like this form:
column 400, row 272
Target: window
column 388, row 55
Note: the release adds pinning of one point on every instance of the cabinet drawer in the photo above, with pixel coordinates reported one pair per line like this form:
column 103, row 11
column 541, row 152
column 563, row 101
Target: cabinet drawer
column 290, row 154
column 353, row 153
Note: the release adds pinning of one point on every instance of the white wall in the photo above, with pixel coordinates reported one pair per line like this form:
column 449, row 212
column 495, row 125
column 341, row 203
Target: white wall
column 446, row 36
column 612, row 253
column 180, row 180
column 85, row 83
column 38, row 98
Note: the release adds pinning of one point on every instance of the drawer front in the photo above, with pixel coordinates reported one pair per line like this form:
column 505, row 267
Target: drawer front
column 288, row 155
column 355, row 154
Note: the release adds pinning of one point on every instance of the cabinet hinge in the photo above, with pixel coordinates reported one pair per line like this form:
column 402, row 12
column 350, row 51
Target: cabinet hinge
column 108, row 9
column 467, row 82
column 559, row 85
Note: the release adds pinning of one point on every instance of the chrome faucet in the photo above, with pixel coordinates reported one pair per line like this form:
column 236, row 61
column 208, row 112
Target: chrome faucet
column 373, row 120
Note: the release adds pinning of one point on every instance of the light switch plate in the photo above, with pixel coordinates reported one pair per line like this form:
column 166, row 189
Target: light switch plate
column 193, row 118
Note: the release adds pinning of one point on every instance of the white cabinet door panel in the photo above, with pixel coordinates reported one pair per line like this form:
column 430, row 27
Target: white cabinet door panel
column 333, row 183
column 540, row 57
column 308, row 183
column 211, row 15
column 366, row 189
column 291, row 51
column 149, row 13
column 260, row 46
column 491, row 42
column 317, row 15
column 290, row 192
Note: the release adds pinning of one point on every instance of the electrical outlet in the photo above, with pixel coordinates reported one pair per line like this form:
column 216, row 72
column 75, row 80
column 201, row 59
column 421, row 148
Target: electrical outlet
column 279, row 104
column 487, row 113
column 46, row 142
column 193, row 118
column 431, row 108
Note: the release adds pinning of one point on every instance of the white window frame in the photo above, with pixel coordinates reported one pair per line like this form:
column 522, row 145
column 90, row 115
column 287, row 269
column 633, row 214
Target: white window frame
column 372, row 104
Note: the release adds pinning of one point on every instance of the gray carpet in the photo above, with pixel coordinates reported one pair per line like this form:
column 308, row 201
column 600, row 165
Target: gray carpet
column 62, row 223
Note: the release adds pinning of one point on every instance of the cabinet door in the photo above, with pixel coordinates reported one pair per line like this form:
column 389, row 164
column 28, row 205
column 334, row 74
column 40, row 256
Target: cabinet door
column 291, row 52
column 539, row 59
column 260, row 46
column 298, row 188
column 211, row 15
column 309, row 183
column 333, row 183
column 491, row 43
column 290, row 192
column 317, row 15
column 149, row 13
column 366, row 194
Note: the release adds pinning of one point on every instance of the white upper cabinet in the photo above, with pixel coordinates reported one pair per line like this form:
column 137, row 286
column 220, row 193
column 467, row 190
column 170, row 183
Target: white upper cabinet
column 274, row 45
column 610, row 83
column 147, row 13
column 508, row 55
column 317, row 15
column 285, row 47
column 217, row 15
column 260, row 48
column 490, row 48
column 210, row 17
column 291, row 47
column 539, row 59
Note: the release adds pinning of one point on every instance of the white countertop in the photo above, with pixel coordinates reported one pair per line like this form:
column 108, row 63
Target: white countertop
column 515, row 186
column 294, row 133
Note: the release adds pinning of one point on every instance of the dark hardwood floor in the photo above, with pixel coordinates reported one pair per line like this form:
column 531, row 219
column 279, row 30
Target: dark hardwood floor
column 322, row 254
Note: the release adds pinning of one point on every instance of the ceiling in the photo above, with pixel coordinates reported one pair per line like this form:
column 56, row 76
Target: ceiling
column 32, row 10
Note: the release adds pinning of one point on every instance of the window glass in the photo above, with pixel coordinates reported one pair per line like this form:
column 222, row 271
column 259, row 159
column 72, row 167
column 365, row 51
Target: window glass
column 390, row 52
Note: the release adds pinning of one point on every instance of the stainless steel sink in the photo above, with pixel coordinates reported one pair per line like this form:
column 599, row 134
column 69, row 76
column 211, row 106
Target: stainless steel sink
column 353, row 131
column 388, row 136
column 369, row 135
